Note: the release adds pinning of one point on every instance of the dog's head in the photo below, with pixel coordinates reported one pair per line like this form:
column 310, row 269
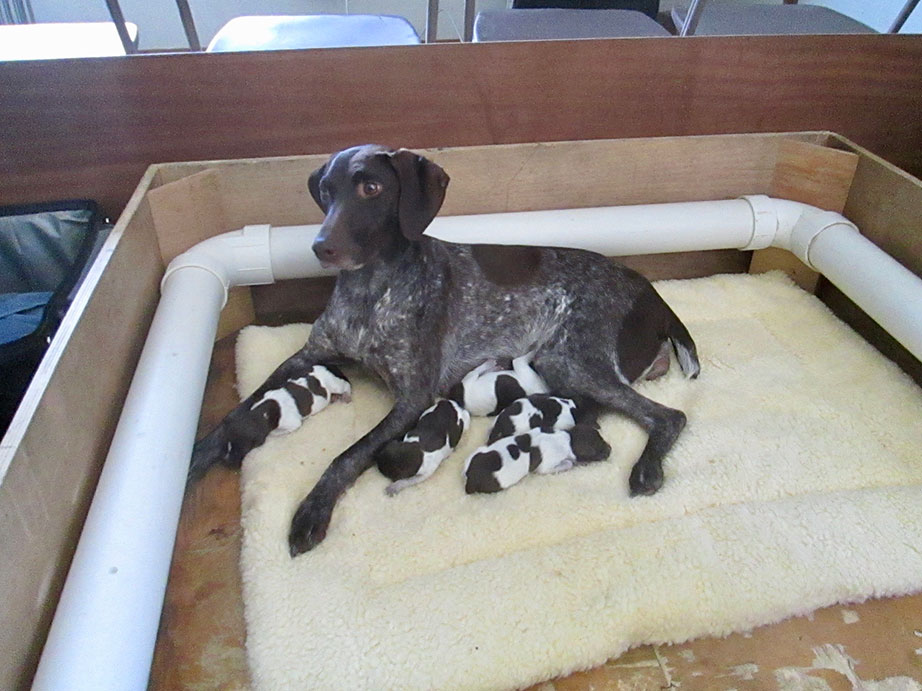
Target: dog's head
column 374, row 199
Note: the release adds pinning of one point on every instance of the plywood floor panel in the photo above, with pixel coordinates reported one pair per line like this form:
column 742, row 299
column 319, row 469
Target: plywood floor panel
column 202, row 633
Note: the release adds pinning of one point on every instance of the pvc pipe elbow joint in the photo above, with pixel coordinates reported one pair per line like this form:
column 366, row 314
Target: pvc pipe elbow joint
column 790, row 225
column 808, row 228
column 241, row 257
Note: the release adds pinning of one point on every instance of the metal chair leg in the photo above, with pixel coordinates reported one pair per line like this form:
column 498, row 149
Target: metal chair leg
column 470, row 8
column 188, row 24
column 115, row 11
column 432, row 21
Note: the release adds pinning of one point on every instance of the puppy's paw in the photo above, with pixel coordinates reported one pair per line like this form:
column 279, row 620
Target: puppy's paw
column 396, row 487
column 309, row 525
column 646, row 479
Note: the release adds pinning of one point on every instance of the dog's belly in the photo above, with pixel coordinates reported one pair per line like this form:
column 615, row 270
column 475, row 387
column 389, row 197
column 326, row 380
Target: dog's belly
column 506, row 326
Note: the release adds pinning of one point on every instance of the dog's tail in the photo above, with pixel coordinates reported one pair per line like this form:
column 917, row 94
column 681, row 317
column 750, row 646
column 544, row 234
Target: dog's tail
column 684, row 347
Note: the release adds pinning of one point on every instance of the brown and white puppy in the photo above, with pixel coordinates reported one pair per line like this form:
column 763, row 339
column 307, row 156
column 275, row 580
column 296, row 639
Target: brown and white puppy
column 418, row 455
column 506, row 461
column 487, row 389
column 288, row 405
column 535, row 412
column 278, row 410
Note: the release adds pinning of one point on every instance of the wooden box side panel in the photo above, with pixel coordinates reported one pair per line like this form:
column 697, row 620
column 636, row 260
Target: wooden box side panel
column 56, row 446
column 484, row 179
column 886, row 205
column 813, row 174
column 521, row 177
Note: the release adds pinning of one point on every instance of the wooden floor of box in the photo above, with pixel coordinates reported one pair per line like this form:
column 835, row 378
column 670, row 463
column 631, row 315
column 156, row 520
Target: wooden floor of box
column 202, row 633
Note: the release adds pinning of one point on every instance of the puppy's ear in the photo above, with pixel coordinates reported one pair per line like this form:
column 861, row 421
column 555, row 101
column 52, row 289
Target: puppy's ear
column 422, row 191
column 313, row 184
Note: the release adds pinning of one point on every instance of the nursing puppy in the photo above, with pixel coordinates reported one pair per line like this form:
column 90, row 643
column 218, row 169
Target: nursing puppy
column 421, row 451
column 281, row 410
column 486, row 389
column 505, row 462
column 301, row 397
column 535, row 411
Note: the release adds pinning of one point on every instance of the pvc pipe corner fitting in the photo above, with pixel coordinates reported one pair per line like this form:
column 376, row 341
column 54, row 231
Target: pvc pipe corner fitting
column 251, row 260
column 764, row 221
column 241, row 257
column 809, row 226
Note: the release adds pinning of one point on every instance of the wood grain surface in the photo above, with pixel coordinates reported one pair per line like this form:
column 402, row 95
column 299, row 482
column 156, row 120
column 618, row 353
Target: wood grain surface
column 88, row 128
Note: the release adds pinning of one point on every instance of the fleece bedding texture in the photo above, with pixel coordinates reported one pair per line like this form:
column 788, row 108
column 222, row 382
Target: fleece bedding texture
column 796, row 484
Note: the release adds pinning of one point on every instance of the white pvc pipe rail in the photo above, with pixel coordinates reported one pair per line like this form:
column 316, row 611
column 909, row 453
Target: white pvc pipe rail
column 109, row 609
column 105, row 625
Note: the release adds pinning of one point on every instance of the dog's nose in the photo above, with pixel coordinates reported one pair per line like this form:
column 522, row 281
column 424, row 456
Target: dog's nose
column 324, row 252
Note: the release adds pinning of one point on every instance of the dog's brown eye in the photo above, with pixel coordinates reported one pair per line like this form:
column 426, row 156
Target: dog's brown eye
column 369, row 189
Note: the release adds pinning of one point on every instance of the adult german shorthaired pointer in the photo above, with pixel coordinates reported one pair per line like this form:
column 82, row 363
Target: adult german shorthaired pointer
column 421, row 313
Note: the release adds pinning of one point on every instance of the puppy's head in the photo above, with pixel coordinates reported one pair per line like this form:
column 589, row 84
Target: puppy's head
column 399, row 460
column 375, row 199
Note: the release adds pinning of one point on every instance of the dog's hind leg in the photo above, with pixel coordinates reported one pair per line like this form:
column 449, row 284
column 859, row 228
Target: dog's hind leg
column 660, row 365
column 600, row 382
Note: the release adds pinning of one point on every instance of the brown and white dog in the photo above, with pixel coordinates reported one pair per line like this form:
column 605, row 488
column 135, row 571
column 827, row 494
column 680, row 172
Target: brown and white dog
column 421, row 313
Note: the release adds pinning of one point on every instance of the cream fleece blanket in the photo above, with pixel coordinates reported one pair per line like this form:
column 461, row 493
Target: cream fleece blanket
column 796, row 484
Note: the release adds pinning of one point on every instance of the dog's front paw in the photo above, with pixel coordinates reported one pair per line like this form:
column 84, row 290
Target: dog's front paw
column 217, row 448
column 310, row 523
column 646, row 478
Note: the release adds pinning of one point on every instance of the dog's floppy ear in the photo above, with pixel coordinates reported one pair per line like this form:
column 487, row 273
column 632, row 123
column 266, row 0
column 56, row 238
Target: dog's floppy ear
column 422, row 190
column 313, row 184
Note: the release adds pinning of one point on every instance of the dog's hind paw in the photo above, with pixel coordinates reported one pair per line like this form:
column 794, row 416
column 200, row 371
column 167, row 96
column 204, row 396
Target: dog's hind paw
column 646, row 478
column 309, row 525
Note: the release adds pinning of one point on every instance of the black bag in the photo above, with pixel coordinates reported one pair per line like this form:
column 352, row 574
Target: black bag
column 45, row 250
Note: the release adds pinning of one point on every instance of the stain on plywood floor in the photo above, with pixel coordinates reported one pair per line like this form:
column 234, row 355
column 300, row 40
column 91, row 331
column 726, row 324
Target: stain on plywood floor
column 876, row 645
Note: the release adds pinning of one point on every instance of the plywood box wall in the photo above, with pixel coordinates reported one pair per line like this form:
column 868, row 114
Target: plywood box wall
column 51, row 457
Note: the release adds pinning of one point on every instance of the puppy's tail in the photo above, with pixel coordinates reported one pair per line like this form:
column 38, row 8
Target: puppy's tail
column 684, row 347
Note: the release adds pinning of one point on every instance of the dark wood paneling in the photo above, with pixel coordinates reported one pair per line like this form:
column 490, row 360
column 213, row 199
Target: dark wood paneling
column 89, row 127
